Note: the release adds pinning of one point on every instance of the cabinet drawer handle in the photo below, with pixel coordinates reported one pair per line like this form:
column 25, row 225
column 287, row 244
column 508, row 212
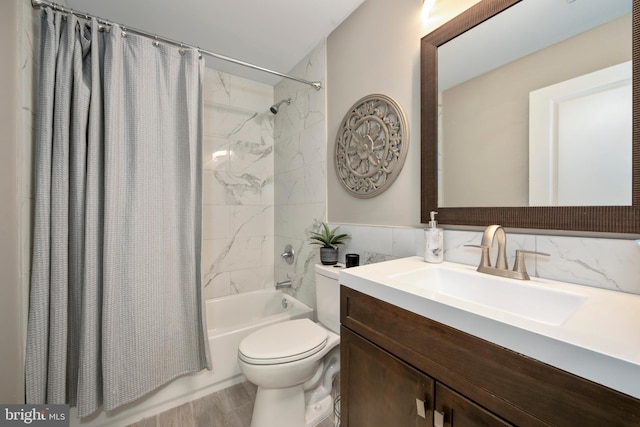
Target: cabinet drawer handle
column 421, row 406
column 438, row 419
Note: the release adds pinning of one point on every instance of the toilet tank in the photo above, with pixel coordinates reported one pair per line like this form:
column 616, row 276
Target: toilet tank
column 328, row 296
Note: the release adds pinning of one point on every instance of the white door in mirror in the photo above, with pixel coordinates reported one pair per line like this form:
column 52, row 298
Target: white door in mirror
column 580, row 134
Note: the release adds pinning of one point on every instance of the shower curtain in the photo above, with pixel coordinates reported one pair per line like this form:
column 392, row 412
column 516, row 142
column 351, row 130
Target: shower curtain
column 116, row 307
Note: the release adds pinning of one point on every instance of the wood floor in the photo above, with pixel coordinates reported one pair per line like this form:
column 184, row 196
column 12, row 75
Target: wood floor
column 230, row 407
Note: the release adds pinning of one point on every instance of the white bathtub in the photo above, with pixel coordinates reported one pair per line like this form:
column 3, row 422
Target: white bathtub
column 229, row 320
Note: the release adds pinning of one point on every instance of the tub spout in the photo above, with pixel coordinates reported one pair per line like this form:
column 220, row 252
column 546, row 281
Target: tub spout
column 282, row 285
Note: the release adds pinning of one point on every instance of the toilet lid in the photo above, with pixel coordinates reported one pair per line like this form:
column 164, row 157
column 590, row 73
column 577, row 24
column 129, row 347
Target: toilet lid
column 283, row 342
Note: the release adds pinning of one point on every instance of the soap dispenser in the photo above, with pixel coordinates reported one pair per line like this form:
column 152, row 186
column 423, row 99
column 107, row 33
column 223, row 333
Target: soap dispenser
column 434, row 241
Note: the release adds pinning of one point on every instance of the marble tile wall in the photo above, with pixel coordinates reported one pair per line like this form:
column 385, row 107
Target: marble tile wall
column 300, row 173
column 600, row 262
column 238, row 211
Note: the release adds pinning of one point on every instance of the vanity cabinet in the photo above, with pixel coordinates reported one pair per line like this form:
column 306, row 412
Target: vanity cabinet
column 454, row 410
column 383, row 390
column 392, row 360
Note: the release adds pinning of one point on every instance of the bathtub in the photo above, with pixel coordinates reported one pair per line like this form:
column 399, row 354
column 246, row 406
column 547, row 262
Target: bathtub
column 229, row 320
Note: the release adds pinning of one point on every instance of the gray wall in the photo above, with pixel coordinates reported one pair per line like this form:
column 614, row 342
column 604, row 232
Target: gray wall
column 11, row 303
column 377, row 50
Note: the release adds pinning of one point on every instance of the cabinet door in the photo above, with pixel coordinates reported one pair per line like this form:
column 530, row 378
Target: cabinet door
column 454, row 410
column 379, row 390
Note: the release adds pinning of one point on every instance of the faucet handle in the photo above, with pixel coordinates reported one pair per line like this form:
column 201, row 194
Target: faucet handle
column 519, row 266
column 484, row 258
column 288, row 254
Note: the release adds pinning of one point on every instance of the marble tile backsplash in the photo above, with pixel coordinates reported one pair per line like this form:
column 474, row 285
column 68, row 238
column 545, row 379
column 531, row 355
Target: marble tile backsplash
column 604, row 263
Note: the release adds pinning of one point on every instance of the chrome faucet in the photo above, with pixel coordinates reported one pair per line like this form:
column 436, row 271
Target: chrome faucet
column 288, row 254
column 501, row 268
column 282, row 285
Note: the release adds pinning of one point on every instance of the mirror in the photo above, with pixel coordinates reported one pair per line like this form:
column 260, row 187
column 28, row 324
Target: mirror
column 500, row 135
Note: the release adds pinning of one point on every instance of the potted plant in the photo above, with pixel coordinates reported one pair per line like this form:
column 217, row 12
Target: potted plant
column 329, row 240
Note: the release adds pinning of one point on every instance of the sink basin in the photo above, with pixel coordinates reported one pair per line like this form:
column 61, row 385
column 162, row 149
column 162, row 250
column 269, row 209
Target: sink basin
column 584, row 330
column 537, row 301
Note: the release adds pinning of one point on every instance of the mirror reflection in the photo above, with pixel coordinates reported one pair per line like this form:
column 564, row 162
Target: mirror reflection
column 535, row 107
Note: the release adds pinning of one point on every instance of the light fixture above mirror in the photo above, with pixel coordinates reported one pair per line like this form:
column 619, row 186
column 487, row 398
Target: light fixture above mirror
column 425, row 13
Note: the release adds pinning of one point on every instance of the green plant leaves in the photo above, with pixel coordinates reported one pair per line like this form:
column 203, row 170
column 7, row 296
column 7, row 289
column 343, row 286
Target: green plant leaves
column 328, row 238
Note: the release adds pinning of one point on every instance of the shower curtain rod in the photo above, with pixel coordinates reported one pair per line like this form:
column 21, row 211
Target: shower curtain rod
column 37, row 4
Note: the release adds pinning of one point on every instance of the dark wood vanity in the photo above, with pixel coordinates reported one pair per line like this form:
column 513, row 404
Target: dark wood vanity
column 393, row 360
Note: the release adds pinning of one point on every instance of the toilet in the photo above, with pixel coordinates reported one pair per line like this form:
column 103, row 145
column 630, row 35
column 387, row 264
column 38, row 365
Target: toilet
column 293, row 363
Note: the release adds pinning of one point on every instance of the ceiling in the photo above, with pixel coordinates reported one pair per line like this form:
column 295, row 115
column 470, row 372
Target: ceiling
column 274, row 34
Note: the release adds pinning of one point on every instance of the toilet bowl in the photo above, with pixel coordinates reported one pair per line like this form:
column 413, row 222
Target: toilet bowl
column 293, row 363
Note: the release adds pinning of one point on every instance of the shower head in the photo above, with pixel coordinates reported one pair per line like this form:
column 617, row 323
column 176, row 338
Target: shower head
column 275, row 107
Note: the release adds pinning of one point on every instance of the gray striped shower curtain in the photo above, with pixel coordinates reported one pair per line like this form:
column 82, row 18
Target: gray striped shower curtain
column 116, row 307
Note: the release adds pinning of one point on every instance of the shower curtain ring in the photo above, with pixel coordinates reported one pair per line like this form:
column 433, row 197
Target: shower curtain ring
column 155, row 42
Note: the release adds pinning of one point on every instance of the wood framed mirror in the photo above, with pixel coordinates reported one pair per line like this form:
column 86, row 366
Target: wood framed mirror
column 614, row 218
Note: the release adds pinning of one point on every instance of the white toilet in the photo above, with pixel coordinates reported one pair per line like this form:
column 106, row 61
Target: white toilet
column 293, row 363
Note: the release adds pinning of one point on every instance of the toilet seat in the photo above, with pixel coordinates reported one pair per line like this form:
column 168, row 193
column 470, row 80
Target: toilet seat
column 283, row 342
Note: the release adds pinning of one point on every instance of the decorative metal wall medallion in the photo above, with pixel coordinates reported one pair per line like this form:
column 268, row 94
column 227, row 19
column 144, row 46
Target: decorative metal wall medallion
column 371, row 145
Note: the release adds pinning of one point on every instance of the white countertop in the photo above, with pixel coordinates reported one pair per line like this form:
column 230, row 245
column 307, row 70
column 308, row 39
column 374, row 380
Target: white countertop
column 600, row 341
